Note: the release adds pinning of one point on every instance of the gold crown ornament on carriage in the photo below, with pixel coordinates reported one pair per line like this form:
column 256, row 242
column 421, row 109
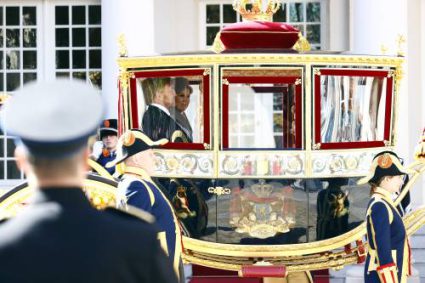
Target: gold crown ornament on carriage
column 257, row 31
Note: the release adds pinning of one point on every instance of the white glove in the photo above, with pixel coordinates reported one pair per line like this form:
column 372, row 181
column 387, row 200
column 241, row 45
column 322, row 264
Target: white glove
column 97, row 150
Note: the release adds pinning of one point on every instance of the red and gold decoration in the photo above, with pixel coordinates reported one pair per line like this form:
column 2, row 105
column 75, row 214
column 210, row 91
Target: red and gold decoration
column 384, row 161
column 257, row 12
column 262, row 210
column 3, row 98
column 129, row 138
column 258, row 31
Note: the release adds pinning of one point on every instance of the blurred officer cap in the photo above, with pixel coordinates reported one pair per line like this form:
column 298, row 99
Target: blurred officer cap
column 53, row 119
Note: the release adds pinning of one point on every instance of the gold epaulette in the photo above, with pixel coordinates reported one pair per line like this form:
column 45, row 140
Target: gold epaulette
column 135, row 212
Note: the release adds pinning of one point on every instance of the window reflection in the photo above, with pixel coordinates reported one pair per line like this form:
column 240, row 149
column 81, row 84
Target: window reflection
column 29, row 16
column 261, row 212
column 12, row 38
column 352, row 108
column 12, row 60
column 29, row 37
column 338, row 205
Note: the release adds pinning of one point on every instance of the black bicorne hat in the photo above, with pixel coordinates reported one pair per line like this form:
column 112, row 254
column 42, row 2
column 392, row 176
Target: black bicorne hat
column 108, row 127
column 385, row 163
column 132, row 142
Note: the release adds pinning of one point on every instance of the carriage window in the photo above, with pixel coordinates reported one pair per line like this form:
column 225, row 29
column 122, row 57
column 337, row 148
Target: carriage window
column 174, row 105
column 261, row 112
column 353, row 107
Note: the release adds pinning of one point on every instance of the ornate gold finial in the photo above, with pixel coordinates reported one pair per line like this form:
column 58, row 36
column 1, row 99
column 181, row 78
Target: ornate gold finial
column 384, row 49
column 3, row 97
column 122, row 46
column 302, row 45
column 257, row 12
column 218, row 45
column 400, row 41
column 420, row 149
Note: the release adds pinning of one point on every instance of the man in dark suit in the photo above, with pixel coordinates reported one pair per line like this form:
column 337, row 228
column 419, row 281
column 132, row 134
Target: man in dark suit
column 157, row 122
column 60, row 237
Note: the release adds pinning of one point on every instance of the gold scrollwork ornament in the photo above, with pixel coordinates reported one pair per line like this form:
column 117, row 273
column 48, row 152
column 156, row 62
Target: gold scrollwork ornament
column 336, row 164
column 351, row 162
column 319, row 164
column 188, row 163
column 231, row 165
column 205, row 164
column 295, row 165
column 219, row 191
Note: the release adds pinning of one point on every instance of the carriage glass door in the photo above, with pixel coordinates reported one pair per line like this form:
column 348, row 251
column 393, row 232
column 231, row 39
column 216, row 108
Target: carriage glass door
column 262, row 109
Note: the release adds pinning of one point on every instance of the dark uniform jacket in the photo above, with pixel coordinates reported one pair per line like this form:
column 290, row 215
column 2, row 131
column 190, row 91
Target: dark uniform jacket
column 60, row 237
column 143, row 193
column 157, row 124
column 105, row 158
column 389, row 252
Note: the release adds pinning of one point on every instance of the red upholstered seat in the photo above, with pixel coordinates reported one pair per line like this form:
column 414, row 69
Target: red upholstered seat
column 259, row 34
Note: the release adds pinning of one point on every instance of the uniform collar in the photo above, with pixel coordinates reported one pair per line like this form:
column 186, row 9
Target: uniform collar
column 385, row 194
column 69, row 196
column 142, row 174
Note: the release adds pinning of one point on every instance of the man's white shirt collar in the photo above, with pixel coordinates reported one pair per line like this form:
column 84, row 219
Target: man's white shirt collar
column 161, row 107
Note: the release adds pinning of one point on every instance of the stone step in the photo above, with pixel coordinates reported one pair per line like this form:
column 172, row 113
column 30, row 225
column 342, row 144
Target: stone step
column 354, row 274
column 418, row 256
column 420, row 267
column 338, row 274
column 336, row 280
column 417, row 241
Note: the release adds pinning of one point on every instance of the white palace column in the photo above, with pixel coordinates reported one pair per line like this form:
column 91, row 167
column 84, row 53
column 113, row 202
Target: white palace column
column 134, row 19
column 149, row 27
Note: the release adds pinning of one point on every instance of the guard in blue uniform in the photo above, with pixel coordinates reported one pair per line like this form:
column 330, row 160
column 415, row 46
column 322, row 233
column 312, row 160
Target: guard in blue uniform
column 108, row 134
column 388, row 258
column 136, row 159
column 59, row 236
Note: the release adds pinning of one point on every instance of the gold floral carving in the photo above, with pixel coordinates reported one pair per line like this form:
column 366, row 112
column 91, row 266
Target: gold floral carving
column 262, row 72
